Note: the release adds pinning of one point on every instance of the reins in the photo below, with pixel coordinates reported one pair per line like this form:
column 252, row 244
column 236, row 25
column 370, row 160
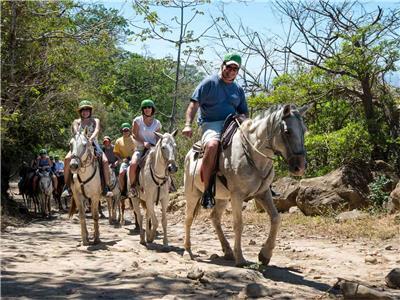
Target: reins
column 155, row 177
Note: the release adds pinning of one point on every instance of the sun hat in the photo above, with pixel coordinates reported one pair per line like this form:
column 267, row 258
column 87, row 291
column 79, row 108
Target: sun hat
column 85, row 104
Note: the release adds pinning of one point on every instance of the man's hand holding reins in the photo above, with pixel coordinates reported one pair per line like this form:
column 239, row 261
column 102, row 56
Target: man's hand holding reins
column 187, row 131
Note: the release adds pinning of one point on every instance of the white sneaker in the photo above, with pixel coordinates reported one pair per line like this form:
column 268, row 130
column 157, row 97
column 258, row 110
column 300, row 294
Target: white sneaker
column 65, row 194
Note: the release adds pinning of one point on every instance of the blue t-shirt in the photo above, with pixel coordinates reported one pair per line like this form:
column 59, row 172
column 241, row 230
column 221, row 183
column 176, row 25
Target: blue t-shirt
column 218, row 99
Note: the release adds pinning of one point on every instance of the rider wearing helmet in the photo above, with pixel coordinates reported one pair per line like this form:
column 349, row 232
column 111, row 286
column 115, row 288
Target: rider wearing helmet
column 144, row 127
column 92, row 125
column 44, row 163
column 123, row 150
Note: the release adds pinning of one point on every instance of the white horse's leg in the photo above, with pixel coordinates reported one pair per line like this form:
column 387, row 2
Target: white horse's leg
column 192, row 199
column 237, row 205
column 164, row 203
column 266, row 251
column 152, row 222
column 216, row 215
column 95, row 215
column 136, row 208
column 109, row 208
column 82, row 218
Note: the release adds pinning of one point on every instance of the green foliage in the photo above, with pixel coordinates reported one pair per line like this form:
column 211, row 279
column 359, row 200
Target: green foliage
column 377, row 194
column 326, row 152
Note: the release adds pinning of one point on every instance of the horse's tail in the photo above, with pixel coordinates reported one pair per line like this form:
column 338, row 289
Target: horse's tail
column 72, row 208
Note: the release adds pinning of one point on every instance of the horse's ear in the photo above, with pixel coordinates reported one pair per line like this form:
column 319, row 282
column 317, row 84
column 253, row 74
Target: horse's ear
column 286, row 110
column 158, row 134
column 304, row 109
column 174, row 132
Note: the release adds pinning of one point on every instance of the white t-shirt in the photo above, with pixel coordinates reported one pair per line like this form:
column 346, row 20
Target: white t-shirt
column 147, row 132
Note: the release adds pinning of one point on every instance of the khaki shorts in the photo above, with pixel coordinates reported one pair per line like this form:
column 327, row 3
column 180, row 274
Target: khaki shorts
column 211, row 131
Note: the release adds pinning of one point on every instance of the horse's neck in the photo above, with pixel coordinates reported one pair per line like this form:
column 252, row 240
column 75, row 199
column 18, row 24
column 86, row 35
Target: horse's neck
column 159, row 162
column 89, row 168
column 262, row 130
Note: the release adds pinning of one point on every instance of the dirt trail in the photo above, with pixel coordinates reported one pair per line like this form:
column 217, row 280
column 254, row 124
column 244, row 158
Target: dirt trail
column 46, row 260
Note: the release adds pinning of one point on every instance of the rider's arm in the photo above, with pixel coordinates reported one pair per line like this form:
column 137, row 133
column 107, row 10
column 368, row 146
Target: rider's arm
column 75, row 126
column 135, row 132
column 96, row 130
column 191, row 112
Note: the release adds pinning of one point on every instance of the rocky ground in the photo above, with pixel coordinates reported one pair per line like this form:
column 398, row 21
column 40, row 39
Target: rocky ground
column 45, row 259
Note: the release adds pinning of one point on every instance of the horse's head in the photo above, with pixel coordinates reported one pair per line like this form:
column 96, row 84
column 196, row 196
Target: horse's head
column 290, row 142
column 81, row 151
column 168, row 149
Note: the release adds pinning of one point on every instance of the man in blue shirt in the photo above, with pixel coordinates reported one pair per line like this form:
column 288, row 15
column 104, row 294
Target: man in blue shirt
column 217, row 96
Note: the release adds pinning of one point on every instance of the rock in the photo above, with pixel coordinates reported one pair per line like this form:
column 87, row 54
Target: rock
column 393, row 278
column 195, row 274
column 294, row 210
column 256, row 290
column 343, row 189
column 388, row 247
column 393, row 204
column 351, row 215
column 288, row 189
column 252, row 242
column 371, row 259
column 356, row 290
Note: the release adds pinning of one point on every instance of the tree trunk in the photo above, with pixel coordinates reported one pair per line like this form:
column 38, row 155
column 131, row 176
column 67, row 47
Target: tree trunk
column 370, row 116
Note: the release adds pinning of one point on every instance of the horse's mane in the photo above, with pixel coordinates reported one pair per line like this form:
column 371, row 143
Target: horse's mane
column 273, row 115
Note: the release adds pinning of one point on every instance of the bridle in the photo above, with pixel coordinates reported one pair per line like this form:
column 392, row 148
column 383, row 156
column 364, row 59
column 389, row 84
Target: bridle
column 89, row 158
column 159, row 180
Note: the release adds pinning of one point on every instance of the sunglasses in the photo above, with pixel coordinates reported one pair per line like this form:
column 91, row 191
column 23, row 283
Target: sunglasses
column 125, row 130
column 144, row 107
column 232, row 68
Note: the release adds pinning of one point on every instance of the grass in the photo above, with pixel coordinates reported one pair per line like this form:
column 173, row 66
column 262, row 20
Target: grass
column 377, row 226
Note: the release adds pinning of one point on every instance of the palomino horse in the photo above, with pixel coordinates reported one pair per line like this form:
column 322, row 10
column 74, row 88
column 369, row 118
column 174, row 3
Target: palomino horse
column 247, row 166
column 154, row 184
column 45, row 192
column 86, row 183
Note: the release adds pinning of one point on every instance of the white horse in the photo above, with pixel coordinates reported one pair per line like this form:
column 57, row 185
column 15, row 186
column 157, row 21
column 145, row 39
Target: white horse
column 113, row 203
column 247, row 166
column 45, row 192
column 85, row 184
column 154, row 182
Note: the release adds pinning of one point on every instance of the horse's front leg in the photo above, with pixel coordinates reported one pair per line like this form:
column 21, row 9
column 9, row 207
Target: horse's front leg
column 136, row 209
column 267, row 203
column 95, row 215
column 110, row 209
column 237, row 204
column 216, row 215
column 164, row 203
column 152, row 222
column 82, row 218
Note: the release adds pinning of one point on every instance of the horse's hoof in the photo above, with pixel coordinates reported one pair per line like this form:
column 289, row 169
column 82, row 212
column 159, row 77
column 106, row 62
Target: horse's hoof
column 97, row 241
column 188, row 255
column 143, row 243
column 264, row 260
column 229, row 256
column 85, row 243
column 243, row 263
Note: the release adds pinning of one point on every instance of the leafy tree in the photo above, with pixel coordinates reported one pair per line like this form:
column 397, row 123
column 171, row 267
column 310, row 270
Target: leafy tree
column 179, row 35
column 359, row 48
column 43, row 50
